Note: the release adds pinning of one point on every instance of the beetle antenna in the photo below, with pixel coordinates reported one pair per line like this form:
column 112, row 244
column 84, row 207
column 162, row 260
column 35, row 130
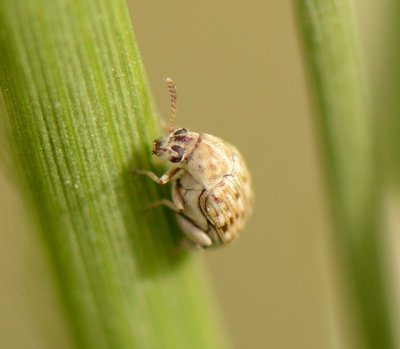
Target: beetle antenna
column 172, row 93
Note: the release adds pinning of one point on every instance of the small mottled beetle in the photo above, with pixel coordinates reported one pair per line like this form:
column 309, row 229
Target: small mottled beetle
column 211, row 192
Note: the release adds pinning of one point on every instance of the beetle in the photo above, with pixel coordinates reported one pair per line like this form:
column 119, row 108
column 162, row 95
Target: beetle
column 211, row 191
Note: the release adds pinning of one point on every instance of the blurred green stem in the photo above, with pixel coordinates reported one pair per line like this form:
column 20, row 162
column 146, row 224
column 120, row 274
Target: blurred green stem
column 387, row 88
column 348, row 137
column 80, row 118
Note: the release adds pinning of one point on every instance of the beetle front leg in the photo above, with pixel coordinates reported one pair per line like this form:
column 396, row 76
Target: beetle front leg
column 165, row 178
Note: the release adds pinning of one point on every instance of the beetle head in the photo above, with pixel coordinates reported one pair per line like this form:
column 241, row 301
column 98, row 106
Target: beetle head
column 175, row 146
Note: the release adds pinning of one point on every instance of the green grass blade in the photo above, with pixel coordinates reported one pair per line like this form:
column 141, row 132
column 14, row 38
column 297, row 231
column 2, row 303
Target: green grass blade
column 81, row 118
column 387, row 88
column 348, row 137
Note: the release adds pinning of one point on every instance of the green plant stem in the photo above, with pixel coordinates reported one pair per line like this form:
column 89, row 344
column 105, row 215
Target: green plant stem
column 348, row 137
column 387, row 88
column 81, row 118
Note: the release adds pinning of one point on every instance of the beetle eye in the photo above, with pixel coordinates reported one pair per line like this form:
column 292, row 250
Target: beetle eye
column 180, row 152
column 180, row 131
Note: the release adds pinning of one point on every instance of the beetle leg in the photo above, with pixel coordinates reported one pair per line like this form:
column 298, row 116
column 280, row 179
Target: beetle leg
column 176, row 204
column 193, row 233
column 177, row 197
column 165, row 178
column 213, row 234
column 163, row 202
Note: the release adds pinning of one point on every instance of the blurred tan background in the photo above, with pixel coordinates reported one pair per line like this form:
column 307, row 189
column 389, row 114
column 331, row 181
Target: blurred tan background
column 238, row 70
